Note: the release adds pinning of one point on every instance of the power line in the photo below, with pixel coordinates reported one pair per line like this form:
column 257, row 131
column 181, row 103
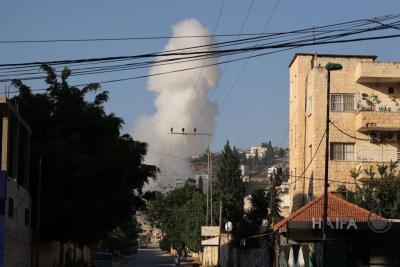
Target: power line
column 290, row 45
column 202, row 67
column 351, row 136
column 311, row 160
column 247, row 61
column 167, row 53
column 129, row 38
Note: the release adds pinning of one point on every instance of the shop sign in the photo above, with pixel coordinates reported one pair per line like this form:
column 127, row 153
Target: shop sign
column 337, row 224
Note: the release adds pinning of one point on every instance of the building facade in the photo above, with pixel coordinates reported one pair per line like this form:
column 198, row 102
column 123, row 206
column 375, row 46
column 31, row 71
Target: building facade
column 365, row 116
column 15, row 199
column 256, row 151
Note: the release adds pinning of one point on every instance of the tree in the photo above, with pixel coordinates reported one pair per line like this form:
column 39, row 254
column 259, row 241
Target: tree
column 269, row 158
column 274, row 209
column 228, row 184
column 200, row 183
column 259, row 207
column 281, row 153
column 179, row 214
column 92, row 175
column 229, row 189
column 376, row 194
column 123, row 239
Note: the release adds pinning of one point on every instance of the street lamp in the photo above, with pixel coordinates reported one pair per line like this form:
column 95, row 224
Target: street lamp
column 329, row 67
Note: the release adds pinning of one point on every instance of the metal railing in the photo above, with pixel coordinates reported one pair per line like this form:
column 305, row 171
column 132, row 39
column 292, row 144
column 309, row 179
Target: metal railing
column 377, row 155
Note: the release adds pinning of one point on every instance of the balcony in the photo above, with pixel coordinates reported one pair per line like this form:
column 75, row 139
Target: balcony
column 366, row 158
column 371, row 120
column 373, row 72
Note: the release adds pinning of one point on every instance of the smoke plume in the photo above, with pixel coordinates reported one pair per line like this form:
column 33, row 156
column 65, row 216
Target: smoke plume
column 181, row 102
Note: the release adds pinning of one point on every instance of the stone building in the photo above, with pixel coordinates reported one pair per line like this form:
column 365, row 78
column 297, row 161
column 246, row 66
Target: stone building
column 364, row 110
column 15, row 199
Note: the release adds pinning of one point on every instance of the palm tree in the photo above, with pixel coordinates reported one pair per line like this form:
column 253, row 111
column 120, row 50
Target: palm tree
column 274, row 209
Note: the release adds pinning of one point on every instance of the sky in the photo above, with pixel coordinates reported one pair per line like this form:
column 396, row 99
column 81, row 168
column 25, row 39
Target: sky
column 255, row 111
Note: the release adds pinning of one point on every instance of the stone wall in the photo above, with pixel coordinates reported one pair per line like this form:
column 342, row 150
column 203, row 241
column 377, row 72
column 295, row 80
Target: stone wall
column 18, row 234
column 307, row 118
column 49, row 253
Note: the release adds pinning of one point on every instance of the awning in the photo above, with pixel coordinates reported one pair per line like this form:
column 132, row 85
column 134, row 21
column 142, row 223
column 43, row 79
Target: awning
column 345, row 219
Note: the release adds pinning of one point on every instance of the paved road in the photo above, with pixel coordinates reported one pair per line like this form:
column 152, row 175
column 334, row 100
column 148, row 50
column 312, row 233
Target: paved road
column 147, row 258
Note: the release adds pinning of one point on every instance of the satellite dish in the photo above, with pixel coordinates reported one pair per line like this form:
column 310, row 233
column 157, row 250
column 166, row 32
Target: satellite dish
column 228, row 226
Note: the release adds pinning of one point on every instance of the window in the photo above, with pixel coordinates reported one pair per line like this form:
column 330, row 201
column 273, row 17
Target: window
column 27, row 217
column 342, row 151
column 342, row 102
column 10, row 207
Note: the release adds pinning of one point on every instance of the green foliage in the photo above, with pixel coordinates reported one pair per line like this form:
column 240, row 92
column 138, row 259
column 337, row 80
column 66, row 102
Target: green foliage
column 376, row 194
column 229, row 189
column 274, row 209
column 260, row 204
column 90, row 171
column 165, row 244
column 123, row 239
column 180, row 214
column 228, row 184
column 281, row 153
column 269, row 157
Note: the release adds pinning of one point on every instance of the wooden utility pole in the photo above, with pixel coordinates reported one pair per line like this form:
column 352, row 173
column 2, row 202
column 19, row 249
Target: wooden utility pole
column 38, row 199
column 220, row 231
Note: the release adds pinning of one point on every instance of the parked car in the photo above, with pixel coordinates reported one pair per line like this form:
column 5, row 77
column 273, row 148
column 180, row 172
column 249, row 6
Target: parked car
column 103, row 259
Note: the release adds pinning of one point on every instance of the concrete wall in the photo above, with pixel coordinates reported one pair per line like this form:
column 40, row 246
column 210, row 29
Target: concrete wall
column 210, row 254
column 18, row 235
column 247, row 257
column 49, row 253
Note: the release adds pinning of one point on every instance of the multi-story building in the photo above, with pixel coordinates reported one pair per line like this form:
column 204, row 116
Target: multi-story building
column 15, row 199
column 365, row 116
column 256, row 151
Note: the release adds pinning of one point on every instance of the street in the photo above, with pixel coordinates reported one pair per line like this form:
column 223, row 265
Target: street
column 147, row 258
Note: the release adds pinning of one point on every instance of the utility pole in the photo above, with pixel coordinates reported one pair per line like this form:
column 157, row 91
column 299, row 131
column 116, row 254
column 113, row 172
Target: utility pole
column 38, row 199
column 210, row 180
column 329, row 67
column 219, row 236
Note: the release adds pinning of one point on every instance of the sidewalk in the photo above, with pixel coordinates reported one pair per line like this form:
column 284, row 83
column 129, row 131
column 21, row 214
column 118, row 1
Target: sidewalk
column 188, row 262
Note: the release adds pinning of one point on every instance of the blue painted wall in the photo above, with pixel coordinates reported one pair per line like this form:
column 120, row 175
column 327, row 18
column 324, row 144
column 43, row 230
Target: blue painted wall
column 3, row 188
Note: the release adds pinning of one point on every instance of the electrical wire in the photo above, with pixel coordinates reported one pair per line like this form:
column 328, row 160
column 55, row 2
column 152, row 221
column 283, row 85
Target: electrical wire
column 167, row 53
column 351, row 136
column 289, row 45
column 311, row 160
column 247, row 61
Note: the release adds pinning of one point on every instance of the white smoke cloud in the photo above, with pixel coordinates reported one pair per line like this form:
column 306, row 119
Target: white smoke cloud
column 181, row 102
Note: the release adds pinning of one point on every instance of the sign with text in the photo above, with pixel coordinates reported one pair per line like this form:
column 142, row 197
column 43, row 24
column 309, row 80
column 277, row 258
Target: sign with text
column 210, row 231
column 337, row 223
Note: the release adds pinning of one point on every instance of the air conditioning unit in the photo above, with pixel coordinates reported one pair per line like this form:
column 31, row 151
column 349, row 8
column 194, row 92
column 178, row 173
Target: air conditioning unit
column 375, row 137
column 390, row 137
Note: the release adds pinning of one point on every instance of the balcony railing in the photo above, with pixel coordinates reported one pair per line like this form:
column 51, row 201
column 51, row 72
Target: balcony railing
column 377, row 155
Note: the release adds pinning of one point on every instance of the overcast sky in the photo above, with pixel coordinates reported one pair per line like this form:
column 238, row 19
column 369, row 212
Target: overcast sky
column 257, row 108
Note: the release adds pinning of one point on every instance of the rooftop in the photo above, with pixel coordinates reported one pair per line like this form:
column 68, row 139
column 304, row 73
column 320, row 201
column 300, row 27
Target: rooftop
column 373, row 57
column 337, row 208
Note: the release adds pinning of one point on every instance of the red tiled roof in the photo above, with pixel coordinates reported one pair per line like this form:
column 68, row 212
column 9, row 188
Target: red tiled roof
column 337, row 207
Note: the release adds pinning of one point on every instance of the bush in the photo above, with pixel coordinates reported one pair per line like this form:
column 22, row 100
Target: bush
column 165, row 244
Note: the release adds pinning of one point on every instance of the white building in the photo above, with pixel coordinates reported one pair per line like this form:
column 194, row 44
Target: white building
column 256, row 151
